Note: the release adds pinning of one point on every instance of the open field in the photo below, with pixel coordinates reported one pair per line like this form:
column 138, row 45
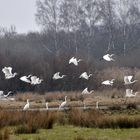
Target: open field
column 69, row 132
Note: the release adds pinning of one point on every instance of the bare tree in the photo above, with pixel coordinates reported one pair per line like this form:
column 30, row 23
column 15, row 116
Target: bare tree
column 108, row 17
column 48, row 16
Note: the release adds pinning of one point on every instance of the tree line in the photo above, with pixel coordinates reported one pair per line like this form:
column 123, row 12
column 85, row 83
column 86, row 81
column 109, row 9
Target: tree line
column 86, row 29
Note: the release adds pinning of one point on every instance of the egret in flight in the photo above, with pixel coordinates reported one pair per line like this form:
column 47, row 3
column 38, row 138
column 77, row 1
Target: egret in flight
column 57, row 76
column 26, row 78
column 84, row 75
column 108, row 82
column 35, row 80
column 4, row 95
column 108, row 57
column 85, row 91
column 74, row 61
column 129, row 93
column 128, row 80
column 8, row 72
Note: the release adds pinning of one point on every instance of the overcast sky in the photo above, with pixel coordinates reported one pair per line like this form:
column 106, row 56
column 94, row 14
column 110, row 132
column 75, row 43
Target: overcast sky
column 20, row 13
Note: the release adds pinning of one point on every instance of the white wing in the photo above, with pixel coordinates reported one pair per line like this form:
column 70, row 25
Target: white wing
column 129, row 78
column 24, row 79
column 83, row 75
column 85, row 91
column 7, row 70
column 33, row 78
column 71, row 60
column 106, row 57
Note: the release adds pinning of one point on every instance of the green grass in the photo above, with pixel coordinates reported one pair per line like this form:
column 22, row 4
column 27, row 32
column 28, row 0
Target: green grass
column 69, row 132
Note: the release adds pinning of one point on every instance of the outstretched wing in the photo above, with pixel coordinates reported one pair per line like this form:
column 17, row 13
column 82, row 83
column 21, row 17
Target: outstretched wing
column 130, row 78
column 7, row 70
column 33, row 79
column 126, row 80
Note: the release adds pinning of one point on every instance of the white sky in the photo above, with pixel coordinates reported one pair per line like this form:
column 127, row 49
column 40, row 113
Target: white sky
column 20, row 13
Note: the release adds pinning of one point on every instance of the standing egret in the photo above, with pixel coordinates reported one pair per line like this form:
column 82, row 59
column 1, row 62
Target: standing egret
column 47, row 106
column 127, row 80
column 84, row 105
column 8, row 73
column 84, row 75
column 74, row 61
column 26, row 78
column 108, row 82
column 57, row 76
column 63, row 103
column 97, row 105
column 108, row 57
column 85, row 91
column 27, row 106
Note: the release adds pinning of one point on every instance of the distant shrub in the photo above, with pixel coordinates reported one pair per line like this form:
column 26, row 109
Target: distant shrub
column 26, row 129
column 131, row 106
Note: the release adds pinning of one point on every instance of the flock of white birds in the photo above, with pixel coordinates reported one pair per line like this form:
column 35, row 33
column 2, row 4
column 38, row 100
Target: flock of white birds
column 34, row 80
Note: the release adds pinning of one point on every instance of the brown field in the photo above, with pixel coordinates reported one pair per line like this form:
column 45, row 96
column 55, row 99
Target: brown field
column 106, row 97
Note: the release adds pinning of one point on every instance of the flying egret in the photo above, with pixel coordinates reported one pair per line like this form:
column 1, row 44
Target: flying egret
column 47, row 106
column 26, row 78
column 57, row 76
column 127, row 80
column 85, row 91
column 27, row 106
column 63, row 103
column 6, row 95
column 8, row 72
column 74, row 61
column 35, row 80
column 129, row 93
column 84, row 75
column 108, row 57
column 108, row 82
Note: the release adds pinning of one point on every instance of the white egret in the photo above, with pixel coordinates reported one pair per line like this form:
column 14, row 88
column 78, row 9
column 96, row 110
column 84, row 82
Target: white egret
column 74, row 61
column 85, row 91
column 57, row 76
column 63, row 103
column 108, row 57
column 8, row 72
column 84, row 75
column 97, row 105
column 6, row 95
column 47, row 106
column 127, row 80
column 129, row 93
column 108, row 82
column 26, row 78
column 27, row 106
column 35, row 80
column 84, row 105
